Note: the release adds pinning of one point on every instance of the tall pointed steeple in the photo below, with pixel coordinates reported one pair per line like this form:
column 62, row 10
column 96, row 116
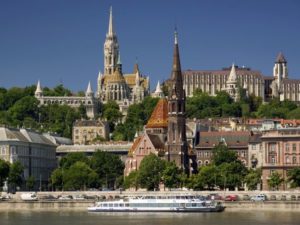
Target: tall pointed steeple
column 177, row 149
column 110, row 25
column 111, row 48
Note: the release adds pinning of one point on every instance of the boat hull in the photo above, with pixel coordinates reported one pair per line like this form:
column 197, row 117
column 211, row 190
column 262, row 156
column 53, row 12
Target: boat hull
column 181, row 210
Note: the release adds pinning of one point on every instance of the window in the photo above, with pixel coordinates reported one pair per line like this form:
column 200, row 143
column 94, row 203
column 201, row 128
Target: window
column 294, row 160
column 273, row 159
column 294, row 147
column 253, row 147
column 287, row 159
column 287, row 147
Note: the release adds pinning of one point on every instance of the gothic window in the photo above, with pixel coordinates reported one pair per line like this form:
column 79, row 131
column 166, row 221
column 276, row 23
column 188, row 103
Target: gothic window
column 179, row 107
column 173, row 131
column 173, row 107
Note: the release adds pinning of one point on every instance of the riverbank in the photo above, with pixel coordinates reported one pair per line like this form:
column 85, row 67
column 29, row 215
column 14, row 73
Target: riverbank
column 16, row 204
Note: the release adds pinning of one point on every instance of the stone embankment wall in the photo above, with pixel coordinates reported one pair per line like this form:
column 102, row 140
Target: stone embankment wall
column 292, row 202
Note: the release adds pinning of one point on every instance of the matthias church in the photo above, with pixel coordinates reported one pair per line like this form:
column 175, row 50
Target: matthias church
column 113, row 84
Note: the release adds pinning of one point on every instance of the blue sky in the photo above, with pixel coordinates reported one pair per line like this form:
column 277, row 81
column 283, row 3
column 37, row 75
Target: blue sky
column 61, row 41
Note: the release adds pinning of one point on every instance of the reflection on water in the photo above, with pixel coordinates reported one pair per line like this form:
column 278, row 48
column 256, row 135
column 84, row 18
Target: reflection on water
column 76, row 218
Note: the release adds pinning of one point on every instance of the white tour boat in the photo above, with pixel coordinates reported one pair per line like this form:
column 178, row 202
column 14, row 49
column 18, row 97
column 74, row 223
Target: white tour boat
column 184, row 203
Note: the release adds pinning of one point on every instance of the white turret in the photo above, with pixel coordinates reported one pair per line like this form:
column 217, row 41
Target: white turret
column 38, row 92
column 89, row 92
column 232, row 84
column 158, row 92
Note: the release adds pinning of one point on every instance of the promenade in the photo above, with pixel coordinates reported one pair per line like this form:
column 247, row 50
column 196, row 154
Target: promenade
column 291, row 202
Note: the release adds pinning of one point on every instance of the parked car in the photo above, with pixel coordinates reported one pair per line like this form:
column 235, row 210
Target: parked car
column 293, row 197
column 259, row 197
column 231, row 198
column 246, row 197
column 47, row 197
column 65, row 197
column 273, row 197
column 214, row 197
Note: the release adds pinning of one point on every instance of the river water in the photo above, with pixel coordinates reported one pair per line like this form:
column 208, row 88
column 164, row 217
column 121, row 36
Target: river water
column 85, row 218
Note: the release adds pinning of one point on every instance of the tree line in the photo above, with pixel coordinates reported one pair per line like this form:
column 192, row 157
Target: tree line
column 76, row 171
column 225, row 172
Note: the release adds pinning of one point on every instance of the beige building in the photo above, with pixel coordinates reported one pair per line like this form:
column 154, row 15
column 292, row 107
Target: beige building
column 35, row 151
column 90, row 131
column 281, row 152
column 253, row 82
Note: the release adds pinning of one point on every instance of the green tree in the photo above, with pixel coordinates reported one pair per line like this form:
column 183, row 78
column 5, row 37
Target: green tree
column 108, row 167
column 150, row 172
column 206, row 177
column 111, row 113
column 231, row 174
column 71, row 158
column 275, row 180
column 30, row 183
column 130, row 181
column 57, row 179
column 4, row 171
column 221, row 154
column 253, row 178
column 15, row 176
column 294, row 177
column 171, row 175
column 79, row 177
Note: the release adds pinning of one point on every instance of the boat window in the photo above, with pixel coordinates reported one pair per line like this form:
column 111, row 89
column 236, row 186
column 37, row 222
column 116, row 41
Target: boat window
column 121, row 205
column 127, row 205
column 110, row 205
column 194, row 204
column 104, row 205
column 116, row 205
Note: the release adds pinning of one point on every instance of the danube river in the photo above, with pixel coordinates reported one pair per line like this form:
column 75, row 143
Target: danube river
column 85, row 218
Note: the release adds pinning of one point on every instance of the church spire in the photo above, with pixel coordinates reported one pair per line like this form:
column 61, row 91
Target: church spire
column 89, row 92
column 110, row 25
column 38, row 91
column 232, row 76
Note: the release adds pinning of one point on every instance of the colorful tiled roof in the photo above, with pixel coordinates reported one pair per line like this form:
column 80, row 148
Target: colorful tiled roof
column 159, row 116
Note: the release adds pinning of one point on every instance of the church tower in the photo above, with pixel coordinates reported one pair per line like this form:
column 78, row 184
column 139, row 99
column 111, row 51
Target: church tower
column 280, row 70
column 111, row 48
column 177, row 148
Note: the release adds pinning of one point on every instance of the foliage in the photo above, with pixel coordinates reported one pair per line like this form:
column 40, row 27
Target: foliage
column 15, row 176
column 59, row 90
column 108, row 167
column 4, row 171
column 111, row 113
column 150, row 172
column 206, row 178
column 221, row 154
column 80, row 176
column 57, row 179
column 294, row 177
column 253, row 178
column 275, row 180
column 171, row 175
column 30, row 183
column 71, row 158
column 130, row 181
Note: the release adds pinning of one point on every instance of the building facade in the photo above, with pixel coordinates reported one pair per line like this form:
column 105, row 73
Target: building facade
column 235, row 140
column 125, row 89
column 253, row 82
column 89, row 101
column 281, row 152
column 36, row 152
column 90, row 131
column 113, row 84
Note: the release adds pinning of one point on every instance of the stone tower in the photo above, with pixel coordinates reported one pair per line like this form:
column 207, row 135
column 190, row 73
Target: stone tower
column 176, row 147
column 111, row 48
column 280, row 72
column 232, row 84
